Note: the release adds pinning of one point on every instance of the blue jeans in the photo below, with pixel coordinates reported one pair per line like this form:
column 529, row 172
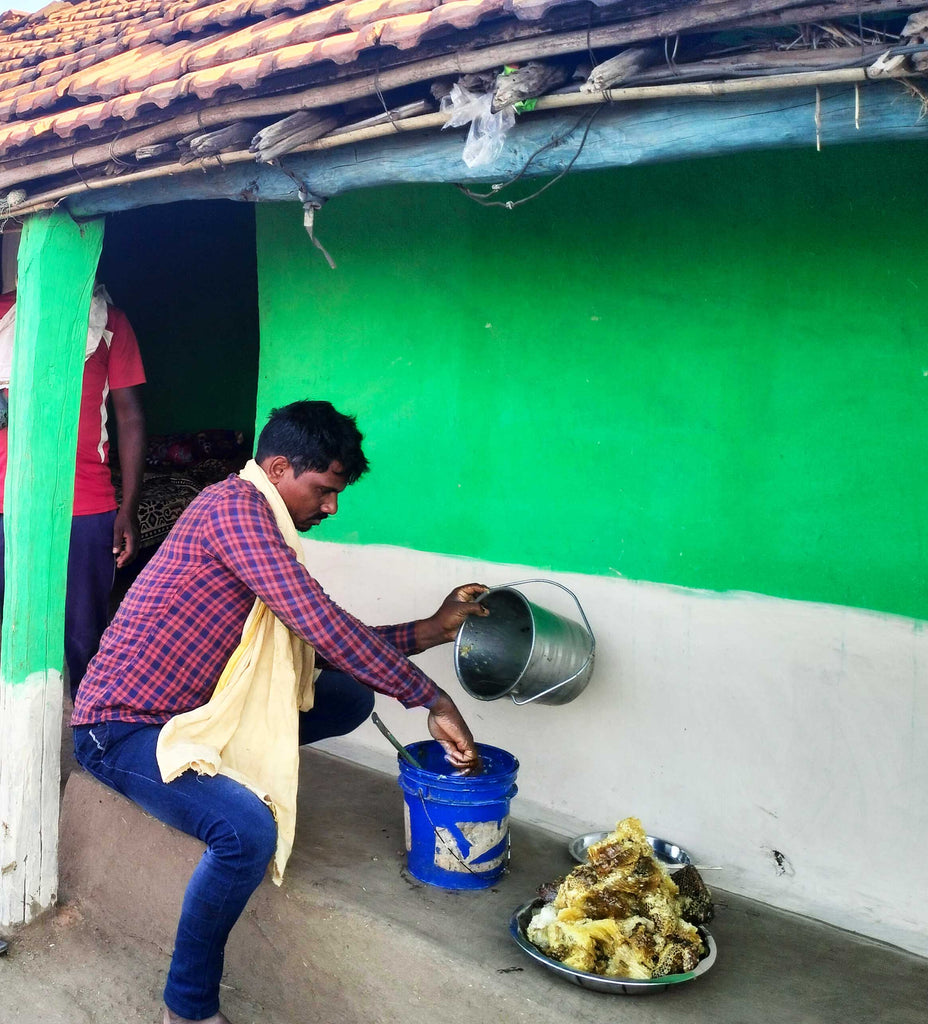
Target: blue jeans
column 238, row 828
column 91, row 570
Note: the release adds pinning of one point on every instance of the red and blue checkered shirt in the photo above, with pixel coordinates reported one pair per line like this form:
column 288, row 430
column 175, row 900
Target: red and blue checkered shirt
column 183, row 617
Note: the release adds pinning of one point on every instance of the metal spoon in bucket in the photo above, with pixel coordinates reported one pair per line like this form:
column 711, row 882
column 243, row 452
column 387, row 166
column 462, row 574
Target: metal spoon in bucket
column 403, row 752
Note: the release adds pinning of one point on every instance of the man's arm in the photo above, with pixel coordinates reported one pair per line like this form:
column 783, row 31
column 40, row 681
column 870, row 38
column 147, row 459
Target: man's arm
column 243, row 535
column 130, row 427
column 414, row 637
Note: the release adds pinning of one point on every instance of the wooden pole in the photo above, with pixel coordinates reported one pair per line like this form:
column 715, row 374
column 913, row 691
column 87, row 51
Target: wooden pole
column 57, row 262
column 349, row 136
column 655, row 26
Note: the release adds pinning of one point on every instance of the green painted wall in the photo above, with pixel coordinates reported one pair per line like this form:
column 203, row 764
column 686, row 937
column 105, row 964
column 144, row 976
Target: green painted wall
column 711, row 374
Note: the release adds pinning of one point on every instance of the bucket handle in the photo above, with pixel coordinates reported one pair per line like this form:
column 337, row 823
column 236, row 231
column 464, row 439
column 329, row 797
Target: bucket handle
column 584, row 666
column 441, row 839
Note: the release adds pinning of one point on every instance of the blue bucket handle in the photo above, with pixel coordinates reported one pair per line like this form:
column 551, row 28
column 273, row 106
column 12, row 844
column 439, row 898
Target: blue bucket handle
column 454, row 853
column 584, row 666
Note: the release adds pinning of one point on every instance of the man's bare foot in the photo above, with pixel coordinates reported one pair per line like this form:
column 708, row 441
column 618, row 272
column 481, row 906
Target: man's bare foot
column 172, row 1018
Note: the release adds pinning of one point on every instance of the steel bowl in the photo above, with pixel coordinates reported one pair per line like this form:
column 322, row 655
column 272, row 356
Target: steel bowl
column 668, row 853
column 520, row 920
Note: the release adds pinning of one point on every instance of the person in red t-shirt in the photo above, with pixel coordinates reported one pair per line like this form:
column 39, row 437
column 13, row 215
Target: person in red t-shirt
column 104, row 536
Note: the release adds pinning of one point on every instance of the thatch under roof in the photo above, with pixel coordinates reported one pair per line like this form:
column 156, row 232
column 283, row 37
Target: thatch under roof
column 95, row 92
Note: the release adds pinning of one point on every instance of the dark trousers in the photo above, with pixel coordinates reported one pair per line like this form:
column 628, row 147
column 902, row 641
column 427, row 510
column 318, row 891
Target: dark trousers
column 91, row 569
column 238, row 829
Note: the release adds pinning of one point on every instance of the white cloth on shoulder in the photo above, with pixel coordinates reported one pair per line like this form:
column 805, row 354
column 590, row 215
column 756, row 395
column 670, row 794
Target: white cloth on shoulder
column 249, row 728
column 96, row 332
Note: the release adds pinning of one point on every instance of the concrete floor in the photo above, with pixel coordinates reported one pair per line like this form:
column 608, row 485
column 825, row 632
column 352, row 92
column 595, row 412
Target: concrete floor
column 351, row 938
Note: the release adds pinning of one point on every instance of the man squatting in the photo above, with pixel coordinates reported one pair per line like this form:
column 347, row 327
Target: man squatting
column 174, row 632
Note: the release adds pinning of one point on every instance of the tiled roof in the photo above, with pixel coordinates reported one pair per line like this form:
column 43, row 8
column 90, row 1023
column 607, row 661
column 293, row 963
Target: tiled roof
column 76, row 75
column 202, row 47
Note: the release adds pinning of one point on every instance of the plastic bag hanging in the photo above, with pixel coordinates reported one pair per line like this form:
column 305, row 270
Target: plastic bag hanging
column 487, row 131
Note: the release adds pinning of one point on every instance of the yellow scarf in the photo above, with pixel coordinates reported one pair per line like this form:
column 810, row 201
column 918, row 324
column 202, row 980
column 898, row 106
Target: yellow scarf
column 249, row 729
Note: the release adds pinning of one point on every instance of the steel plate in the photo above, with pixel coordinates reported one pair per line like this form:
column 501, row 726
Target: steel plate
column 669, row 854
column 600, row 983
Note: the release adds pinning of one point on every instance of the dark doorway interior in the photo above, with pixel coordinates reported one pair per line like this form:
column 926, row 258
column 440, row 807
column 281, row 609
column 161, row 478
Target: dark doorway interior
column 186, row 276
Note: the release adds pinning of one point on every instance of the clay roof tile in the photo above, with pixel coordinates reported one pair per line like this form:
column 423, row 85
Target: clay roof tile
column 405, row 31
column 173, row 63
column 83, row 65
column 463, row 14
column 10, row 66
column 255, row 39
column 17, row 78
column 26, row 103
column 105, row 79
column 364, row 12
column 223, row 13
column 276, row 34
column 160, row 95
column 265, row 8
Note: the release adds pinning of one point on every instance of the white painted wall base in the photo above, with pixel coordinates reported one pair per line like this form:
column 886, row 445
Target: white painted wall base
column 785, row 743
column 30, row 780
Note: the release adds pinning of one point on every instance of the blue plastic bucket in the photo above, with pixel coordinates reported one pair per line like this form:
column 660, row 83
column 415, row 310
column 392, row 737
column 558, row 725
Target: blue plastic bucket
column 457, row 826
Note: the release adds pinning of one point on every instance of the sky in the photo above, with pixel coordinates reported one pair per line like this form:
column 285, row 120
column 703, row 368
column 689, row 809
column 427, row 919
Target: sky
column 22, row 5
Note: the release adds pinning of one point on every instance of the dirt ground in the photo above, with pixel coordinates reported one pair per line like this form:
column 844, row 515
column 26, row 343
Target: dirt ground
column 61, row 970
column 350, row 941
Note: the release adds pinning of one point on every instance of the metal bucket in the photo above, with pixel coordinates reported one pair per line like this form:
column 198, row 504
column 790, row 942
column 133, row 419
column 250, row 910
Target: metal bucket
column 523, row 651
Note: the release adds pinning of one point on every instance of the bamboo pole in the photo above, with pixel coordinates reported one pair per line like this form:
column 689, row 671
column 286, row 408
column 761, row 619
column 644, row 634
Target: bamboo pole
column 809, row 13
column 681, row 90
column 727, row 14
column 57, row 262
column 654, row 26
column 763, row 63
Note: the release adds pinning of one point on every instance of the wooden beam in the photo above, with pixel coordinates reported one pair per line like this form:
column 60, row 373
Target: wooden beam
column 651, row 26
column 808, row 13
column 704, row 122
column 57, row 262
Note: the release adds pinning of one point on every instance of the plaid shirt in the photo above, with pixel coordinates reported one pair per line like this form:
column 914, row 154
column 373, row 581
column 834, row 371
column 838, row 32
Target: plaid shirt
column 182, row 619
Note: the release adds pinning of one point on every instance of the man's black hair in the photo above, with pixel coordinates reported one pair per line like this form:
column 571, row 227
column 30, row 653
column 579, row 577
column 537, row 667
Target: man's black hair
column 313, row 435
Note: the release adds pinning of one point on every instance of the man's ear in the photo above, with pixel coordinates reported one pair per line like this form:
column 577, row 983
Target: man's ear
column 275, row 467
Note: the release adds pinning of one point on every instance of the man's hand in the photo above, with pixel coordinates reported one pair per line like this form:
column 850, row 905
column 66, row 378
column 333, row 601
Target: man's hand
column 448, row 727
column 445, row 623
column 125, row 538
column 130, row 427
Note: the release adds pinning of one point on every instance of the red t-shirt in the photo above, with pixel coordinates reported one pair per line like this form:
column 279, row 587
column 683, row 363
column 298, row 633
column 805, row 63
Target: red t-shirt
column 117, row 365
